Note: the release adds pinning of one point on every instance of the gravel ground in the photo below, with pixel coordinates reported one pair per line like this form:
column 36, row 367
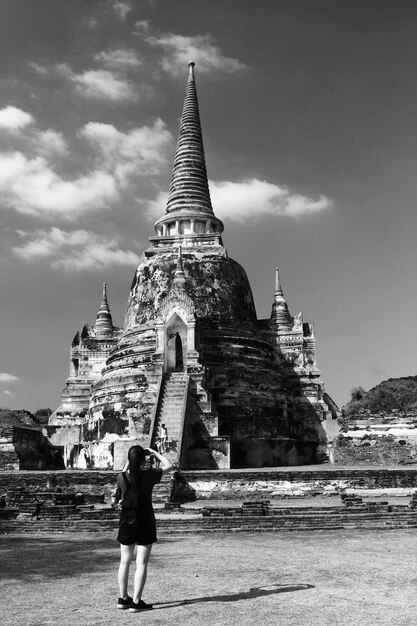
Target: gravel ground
column 299, row 579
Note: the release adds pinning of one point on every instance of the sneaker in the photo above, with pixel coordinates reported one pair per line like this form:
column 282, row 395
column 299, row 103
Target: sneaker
column 140, row 606
column 124, row 604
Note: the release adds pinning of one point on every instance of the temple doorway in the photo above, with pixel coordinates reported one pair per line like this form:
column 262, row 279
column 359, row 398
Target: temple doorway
column 176, row 344
column 179, row 360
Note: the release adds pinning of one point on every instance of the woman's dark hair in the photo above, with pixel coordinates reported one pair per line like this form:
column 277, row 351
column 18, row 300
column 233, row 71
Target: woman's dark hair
column 136, row 457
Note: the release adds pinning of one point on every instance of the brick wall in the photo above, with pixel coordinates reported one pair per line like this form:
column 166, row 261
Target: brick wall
column 246, row 485
column 67, row 481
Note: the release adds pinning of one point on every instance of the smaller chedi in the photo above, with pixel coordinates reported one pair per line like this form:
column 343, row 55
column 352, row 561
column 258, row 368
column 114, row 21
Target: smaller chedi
column 90, row 349
column 231, row 390
column 68, row 427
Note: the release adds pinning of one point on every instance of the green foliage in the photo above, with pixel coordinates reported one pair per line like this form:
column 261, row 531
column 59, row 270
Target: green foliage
column 42, row 416
column 398, row 394
column 9, row 417
column 21, row 417
column 357, row 393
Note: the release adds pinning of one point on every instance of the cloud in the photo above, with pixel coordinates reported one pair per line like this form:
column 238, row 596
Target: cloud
column 50, row 142
column 44, row 142
column 100, row 85
column 6, row 392
column 178, row 50
column 141, row 151
column 122, row 57
column 31, row 186
column 8, row 378
column 156, row 208
column 39, row 69
column 121, row 8
column 251, row 200
column 142, row 26
column 75, row 250
column 14, row 119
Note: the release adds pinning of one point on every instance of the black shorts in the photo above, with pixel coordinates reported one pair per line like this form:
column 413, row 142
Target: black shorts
column 142, row 534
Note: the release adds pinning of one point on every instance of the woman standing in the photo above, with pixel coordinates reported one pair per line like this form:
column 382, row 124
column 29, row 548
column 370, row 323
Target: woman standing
column 137, row 522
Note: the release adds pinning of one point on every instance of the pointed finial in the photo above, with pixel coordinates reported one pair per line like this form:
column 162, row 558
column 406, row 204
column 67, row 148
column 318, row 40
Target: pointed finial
column 179, row 276
column 104, row 322
column 191, row 65
column 179, row 259
column 278, row 288
column 280, row 314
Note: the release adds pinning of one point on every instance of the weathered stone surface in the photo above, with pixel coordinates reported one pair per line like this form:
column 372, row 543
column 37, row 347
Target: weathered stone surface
column 217, row 286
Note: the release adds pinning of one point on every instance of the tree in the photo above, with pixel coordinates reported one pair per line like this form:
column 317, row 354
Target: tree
column 357, row 394
column 42, row 416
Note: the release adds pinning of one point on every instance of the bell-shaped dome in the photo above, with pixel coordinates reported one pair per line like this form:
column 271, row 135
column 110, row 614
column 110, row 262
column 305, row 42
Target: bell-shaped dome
column 217, row 285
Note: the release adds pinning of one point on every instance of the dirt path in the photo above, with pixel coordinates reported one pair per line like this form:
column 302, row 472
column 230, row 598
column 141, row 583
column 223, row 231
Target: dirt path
column 297, row 579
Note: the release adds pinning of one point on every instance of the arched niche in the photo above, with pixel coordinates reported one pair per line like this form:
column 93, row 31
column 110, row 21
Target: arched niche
column 175, row 343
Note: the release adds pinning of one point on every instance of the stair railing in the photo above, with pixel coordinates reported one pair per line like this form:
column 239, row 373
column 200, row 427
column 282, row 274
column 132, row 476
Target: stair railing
column 155, row 411
column 183, row 414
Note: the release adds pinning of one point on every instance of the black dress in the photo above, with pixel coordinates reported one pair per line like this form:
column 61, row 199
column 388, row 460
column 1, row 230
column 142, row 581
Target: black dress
column 139, row 496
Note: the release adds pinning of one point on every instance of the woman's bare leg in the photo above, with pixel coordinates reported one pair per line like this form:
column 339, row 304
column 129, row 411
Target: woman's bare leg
column 126, row 556
column 142, row 558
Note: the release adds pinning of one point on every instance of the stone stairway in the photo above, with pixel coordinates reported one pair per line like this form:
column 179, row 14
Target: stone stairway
column 170, row 412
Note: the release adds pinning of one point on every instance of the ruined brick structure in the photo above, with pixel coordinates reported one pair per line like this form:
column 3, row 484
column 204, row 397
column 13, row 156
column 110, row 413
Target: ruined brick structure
column 370, row 438
column 232, row 390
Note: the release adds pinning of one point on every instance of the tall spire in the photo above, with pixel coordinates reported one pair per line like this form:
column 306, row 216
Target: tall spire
column 189, row 195
column 189, row 185
column 280, row 314
column 104, row 322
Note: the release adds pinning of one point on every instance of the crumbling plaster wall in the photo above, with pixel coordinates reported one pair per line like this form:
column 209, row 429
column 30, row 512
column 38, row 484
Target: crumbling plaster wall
column 294, row 483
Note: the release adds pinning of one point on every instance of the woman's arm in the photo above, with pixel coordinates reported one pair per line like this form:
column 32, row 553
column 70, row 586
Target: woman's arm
column 166, row 465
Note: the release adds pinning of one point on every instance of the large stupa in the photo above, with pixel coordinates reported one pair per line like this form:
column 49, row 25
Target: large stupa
column 231, row 390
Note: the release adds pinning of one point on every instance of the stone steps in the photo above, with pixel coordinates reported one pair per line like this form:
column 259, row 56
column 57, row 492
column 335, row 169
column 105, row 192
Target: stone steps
column 170, row 411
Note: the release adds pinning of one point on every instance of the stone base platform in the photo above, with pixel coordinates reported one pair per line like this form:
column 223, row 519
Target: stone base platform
column 243, row 484
column 281, row 499
column 251, row 516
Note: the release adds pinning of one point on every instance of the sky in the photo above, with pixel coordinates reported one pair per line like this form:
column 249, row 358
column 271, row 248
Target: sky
column 309, row 119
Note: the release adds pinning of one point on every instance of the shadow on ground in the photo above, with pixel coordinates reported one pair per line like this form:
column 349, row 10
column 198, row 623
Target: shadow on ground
column 254, row 592
column 47, row 558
